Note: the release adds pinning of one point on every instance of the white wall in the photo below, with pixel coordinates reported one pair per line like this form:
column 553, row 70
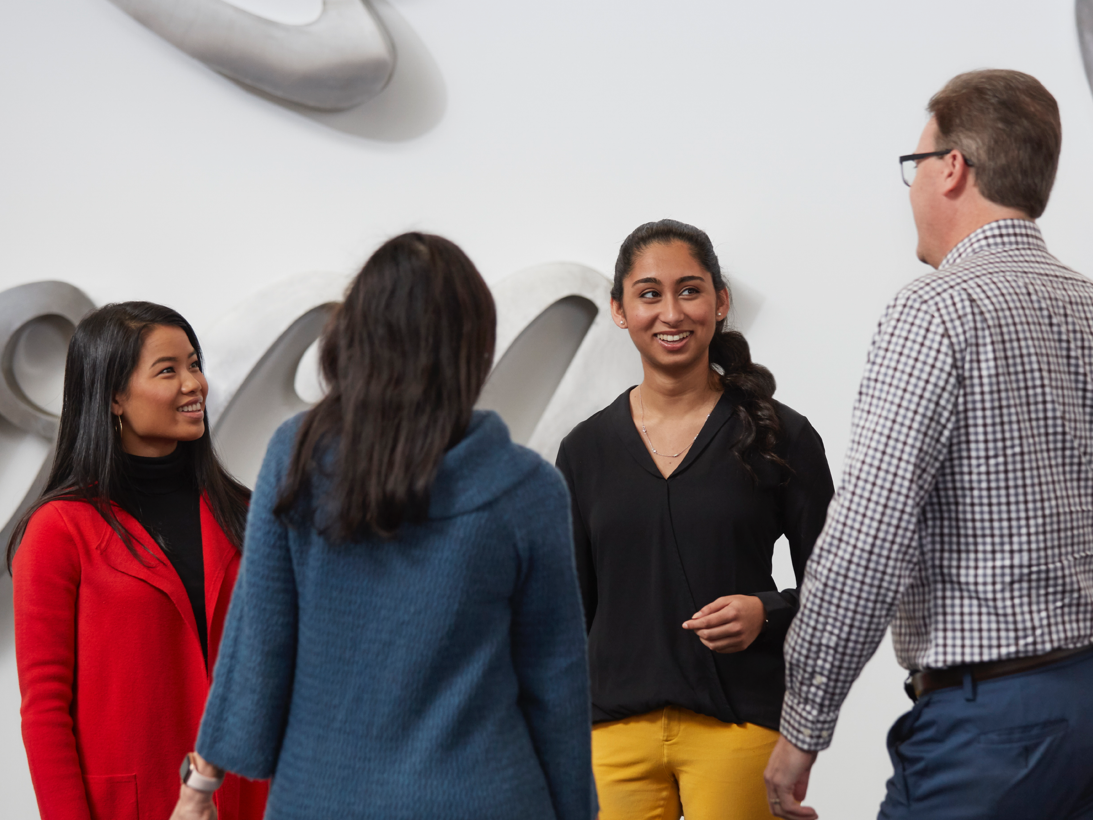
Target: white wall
column 528, row 133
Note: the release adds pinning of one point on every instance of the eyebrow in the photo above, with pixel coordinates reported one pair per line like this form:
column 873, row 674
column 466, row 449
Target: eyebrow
column 652, row 280
column 163, row 359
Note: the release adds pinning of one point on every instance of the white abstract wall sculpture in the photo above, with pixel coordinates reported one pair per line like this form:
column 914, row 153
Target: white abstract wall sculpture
column 340, row 60
column 559, row 356
column 1083, row 11
column 253, row 360
column 36, row 322
column 559, row 359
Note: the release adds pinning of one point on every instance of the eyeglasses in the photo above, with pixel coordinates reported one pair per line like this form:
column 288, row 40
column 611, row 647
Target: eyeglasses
column 908, row 164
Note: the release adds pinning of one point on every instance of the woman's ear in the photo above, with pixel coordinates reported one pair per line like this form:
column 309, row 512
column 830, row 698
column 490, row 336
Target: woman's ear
column 723, row 303
column 617, row 313
column 116, row 406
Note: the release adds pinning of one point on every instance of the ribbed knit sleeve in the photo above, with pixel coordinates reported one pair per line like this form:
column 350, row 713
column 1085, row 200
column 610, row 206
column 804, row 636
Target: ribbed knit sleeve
column 248, row 704
column 549, row 647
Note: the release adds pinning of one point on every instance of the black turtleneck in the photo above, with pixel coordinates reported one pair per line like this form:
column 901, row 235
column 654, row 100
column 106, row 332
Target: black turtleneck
column 162, row 495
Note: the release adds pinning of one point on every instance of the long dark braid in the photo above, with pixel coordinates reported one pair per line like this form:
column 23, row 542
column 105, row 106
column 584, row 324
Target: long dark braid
column 751, row 385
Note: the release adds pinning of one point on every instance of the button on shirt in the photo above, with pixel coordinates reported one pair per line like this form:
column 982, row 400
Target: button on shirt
column 965, row 512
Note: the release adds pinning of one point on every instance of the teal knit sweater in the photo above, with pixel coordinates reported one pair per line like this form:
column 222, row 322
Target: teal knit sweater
column 441, row 674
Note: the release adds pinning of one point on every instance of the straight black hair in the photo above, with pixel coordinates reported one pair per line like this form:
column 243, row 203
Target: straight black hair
column 751, row 384
column 89, row 466
column 404, row 357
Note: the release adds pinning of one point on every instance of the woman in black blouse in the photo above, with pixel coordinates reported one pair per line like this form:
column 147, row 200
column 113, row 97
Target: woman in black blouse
column 680, row 489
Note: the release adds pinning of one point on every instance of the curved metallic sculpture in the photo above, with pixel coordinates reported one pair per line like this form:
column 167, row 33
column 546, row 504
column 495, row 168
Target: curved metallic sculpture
column 253, row 356
column 342, row 59
column 559, row 358
column 36, row 322
column 1083, row 10
column 23, row 310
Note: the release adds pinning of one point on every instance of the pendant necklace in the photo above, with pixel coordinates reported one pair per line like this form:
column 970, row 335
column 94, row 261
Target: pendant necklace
column 654, row 449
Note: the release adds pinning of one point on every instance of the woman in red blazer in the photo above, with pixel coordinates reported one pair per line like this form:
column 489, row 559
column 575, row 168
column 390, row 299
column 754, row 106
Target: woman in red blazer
column 123, row 575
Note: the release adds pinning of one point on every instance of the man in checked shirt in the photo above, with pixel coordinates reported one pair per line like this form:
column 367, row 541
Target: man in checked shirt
column 965, row 513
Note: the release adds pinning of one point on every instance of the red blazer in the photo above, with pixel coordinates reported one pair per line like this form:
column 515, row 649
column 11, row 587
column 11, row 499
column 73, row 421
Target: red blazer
column 110, row 667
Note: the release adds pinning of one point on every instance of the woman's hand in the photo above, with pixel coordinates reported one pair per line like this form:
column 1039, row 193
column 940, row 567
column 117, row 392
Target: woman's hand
column 729, row 624
column 193, row 804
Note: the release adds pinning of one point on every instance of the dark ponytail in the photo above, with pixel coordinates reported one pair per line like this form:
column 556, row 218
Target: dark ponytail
column 750, row 385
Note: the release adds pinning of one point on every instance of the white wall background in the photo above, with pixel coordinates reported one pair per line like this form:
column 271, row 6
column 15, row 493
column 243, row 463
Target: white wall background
column 528, row 133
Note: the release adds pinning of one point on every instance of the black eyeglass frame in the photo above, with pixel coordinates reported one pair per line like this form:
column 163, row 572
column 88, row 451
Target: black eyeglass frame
column 928, row 155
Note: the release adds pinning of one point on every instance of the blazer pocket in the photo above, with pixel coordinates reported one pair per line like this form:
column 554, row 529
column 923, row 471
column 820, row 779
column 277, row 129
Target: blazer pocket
column 112, row 796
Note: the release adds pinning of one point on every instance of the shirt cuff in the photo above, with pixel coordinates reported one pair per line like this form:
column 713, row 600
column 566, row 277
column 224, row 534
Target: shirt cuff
column 778, row 613
column 805, row 726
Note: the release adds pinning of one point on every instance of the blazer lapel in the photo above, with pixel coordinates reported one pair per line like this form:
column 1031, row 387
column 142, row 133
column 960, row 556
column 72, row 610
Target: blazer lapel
column 152, row 567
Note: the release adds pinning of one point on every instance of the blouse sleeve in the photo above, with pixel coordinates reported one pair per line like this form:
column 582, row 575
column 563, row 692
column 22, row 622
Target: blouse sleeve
column 804, row 502
column 46, row 583
column 248, row 704
column 549, row 649
column 582, row 543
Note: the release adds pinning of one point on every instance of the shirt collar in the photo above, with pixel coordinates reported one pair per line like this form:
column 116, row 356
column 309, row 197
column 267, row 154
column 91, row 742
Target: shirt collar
column 1001, row 235
column 624, row 426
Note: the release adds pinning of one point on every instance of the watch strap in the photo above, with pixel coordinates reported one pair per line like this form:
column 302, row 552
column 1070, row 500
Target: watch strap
column 195, row 780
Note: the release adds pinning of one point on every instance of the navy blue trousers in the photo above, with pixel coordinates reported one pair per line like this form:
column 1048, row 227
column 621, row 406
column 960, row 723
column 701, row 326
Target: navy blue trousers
column 1018, row 747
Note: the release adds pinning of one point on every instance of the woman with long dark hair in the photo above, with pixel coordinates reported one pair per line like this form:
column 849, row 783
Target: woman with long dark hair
column 680, row 489
column 406, row 638
column 124, row 569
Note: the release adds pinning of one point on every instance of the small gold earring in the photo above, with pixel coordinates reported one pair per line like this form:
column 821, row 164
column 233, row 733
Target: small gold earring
column 121, row 427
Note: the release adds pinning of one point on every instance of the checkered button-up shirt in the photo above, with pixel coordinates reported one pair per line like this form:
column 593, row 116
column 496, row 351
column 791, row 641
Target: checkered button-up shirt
column 965, row 512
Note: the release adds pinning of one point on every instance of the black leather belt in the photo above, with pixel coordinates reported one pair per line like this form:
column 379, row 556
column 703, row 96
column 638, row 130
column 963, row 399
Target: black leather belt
column 929, row 680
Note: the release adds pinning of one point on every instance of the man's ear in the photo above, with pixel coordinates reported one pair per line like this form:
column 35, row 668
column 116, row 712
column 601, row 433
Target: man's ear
column 957, row 175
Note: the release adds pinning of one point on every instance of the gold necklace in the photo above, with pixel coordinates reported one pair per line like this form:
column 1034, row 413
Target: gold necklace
column 654, row 449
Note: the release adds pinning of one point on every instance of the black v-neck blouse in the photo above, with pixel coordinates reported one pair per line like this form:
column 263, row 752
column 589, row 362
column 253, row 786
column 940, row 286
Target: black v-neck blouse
column 652, row 551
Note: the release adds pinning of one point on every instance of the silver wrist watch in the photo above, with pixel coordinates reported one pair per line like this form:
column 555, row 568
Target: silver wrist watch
column 195, row 780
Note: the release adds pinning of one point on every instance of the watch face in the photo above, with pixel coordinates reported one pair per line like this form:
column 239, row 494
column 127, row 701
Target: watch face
column 185, row 770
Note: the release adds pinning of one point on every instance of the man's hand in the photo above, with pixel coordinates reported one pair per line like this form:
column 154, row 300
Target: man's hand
column 787, row 781
column 729, row 624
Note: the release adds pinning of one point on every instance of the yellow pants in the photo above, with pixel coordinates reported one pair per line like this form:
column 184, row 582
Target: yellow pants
column 662, row 764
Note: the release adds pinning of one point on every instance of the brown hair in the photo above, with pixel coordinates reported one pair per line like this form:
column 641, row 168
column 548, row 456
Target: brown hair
column 405, row 357
column 1007, row 125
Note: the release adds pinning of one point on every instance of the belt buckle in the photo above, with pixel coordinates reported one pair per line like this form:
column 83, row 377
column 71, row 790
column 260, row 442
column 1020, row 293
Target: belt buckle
column 909, row 687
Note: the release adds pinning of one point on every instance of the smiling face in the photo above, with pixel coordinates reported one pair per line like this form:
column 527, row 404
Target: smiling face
column 164, row 402
column 670, row 307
